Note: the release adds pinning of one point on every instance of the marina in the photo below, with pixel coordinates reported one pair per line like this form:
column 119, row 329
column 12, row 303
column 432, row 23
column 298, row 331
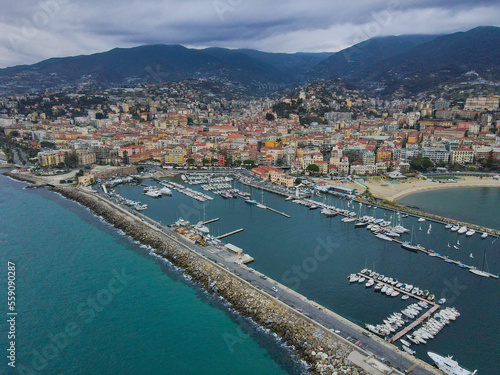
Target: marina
column 239, row 214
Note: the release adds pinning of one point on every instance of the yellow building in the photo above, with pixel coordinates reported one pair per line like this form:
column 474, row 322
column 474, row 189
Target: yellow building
column 384, row 154
column 462, row 156
column 86, row 180
column 175, row 156
column 281, row 179
column 51, row 158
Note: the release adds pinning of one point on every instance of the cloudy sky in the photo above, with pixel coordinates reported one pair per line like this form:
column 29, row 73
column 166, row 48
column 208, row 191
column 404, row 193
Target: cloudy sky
column 31, row 31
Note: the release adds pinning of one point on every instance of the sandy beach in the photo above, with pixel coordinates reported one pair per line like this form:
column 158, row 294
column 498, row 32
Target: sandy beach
column 393, row 191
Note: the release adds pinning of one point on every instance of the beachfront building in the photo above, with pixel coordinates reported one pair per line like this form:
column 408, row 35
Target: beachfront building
column 462, row 156
column 440, row 155
column 52, row 158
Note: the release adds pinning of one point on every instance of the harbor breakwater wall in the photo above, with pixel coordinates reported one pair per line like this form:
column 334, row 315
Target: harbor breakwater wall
column 325, row 352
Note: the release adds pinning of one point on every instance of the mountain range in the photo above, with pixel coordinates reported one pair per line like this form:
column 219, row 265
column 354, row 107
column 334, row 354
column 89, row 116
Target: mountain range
column 411, row 63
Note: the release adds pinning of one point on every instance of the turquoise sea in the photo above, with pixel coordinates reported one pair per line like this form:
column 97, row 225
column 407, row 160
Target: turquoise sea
column 281, row 245
column 71, row 268
column 91, row 301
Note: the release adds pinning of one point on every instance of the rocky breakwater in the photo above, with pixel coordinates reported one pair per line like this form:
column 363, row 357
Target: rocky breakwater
column 325, row 352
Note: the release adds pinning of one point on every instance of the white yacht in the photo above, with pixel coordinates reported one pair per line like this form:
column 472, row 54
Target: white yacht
column 166, row 191
column 462, row 230
column 470, row 232
column 448, row 365
column 154, row 193
column 484, row 235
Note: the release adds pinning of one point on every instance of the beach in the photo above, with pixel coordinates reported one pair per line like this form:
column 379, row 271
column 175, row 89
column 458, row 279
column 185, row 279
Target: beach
column 393, row 191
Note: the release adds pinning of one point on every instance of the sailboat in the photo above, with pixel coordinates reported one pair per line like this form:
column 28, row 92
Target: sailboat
column 408, row 245
column 429, row 230
column 449, row 244
column 471, row 256
column 261, row 205
column 458, row 242
column 419, row 228
column 481, row 272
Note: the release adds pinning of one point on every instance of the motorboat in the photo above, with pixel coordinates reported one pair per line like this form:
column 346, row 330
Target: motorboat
column 153, row 193
column 470, row 232
column 369, row 283
column 484, row 235
column 455, row 228
column 462, row 230
column 165, row 191
column 354, row 278
column 421, row 220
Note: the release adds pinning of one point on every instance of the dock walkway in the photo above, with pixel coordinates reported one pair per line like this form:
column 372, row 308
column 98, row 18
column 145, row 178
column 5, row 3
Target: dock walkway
column 417, row 322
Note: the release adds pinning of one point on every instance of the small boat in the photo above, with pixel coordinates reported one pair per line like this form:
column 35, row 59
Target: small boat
column 470, row 232
column 289, row 198
column 369, row 283
column 462, row 230
column 408, row 350
column 471, row 256
column 421, row 220
column 449, row 244
column 405, row 343
column 405, row 297
column 431, row 297
column 456, row 247
column 442, row 301
column 449, row 226
column 484, row 235
column 455, row 228
column 378, row 287
column 348, row 220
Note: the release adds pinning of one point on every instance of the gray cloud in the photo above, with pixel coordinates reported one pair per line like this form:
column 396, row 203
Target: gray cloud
column 30, row 32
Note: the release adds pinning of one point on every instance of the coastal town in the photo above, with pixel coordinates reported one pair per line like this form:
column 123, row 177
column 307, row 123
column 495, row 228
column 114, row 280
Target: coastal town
column 299, row 145
column 319, row 130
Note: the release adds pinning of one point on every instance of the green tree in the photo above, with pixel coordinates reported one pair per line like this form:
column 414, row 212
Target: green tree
column 125, row 157
column 190, row 161
column 313, row 168
column 214, row 160
column 248, row 162
column 269, row 117
column 228, row 162
column 71, row 159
